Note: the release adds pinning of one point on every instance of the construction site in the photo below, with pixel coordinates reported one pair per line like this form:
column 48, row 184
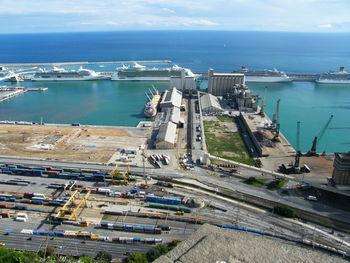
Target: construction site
column 64, row 142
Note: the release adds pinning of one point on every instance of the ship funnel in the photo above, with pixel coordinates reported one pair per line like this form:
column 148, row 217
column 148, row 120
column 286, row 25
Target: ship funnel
column 341, row 69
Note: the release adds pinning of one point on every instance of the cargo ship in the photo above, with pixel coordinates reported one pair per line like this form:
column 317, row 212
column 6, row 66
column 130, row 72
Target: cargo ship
column 60, row 74
column 331, row 77
column 266, row 75
column 152, row 104
column 138, row 72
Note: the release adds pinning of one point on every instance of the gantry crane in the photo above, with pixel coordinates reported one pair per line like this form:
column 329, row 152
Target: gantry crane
column 263, row 104
column 70, row 209
column 293, row 167
column 120, row 178
column 276, row 123
column 317, row 139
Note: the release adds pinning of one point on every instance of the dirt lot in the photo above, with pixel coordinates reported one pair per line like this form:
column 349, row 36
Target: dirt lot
column 65, row 143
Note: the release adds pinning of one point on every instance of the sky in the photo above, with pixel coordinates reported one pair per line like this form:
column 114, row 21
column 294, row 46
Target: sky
column 37, row 16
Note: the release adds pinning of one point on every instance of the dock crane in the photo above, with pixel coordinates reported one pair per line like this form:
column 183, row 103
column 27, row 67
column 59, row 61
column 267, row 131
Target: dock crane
column 263, row 103
column 317, row 139
column 294, row 167
column 275, row 122
column 122, row 178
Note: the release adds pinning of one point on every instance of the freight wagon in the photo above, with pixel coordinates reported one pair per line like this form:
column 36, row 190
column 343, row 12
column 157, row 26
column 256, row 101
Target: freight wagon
column 132, row 228
column 170, row 207
column 163, row 200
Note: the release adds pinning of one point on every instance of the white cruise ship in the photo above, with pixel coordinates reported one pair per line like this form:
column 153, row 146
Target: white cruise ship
column 60, row 74
column 138, row 72
column 340, row 77
column 264, row 75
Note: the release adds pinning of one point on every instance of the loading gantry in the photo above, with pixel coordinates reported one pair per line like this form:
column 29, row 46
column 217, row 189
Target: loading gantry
column 120, row 177
column 70, row 209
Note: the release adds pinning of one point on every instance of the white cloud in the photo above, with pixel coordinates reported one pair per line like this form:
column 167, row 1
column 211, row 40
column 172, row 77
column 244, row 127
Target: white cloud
column 286, row 15
column 325, row 26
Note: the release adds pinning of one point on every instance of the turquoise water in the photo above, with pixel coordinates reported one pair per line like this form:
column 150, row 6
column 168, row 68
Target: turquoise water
column 312, row 105
column 112, row 103
column 86, row 102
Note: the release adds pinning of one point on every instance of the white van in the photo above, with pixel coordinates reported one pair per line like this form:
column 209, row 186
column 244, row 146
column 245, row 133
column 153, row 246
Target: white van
column 311, row 198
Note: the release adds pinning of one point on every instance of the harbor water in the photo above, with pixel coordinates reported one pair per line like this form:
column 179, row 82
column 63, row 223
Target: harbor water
column 121, row 103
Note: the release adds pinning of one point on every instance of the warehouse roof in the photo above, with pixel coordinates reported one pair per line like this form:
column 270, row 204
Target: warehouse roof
column 209, row 100
column 173, row 114
column 167, row 133
column 171, row 97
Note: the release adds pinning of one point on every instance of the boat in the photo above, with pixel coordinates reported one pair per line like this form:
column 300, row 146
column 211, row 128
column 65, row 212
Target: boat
column 266, row 75
column 137, row 72
column 331, row 77
column 60, row 74
column 151, row 106
column 13, row 77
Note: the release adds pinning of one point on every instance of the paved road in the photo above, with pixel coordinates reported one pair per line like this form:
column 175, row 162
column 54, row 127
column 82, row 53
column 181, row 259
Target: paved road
column 69, row 246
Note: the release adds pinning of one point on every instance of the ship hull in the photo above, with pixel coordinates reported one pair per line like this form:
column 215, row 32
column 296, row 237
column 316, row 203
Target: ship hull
column 269, row 79
column 116, row 78
column 331, row 81
column 66, row 79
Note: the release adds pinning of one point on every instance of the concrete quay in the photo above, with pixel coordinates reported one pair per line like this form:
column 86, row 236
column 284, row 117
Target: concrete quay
column 81, row 63
column 6, row 94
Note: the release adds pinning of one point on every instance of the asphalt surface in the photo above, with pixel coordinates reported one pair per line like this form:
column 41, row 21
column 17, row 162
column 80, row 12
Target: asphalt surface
column 69, row 246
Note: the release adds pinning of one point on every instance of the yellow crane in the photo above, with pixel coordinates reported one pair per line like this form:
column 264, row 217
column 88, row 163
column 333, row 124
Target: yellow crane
column 70, row 210
column 263, row 103
column 120, row 178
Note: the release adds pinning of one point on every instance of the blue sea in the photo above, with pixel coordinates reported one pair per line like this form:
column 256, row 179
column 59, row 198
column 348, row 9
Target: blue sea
column 107, row 103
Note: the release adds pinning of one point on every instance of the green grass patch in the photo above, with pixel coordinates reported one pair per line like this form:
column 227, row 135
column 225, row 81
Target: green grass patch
column 276, row 184
column 284, row 211
column 106, row 216
column 255, row 182
column 211, row 126
column 228, row 145
column 225, row 118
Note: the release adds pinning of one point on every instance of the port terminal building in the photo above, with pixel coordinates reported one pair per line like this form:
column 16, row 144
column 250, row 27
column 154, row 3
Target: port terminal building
column 170, row 119
column 166, row 138
column 171, row 98
column 341, row 172
column 221, row 84
column 210, row 104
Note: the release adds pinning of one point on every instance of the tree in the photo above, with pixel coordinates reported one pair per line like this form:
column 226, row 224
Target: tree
column 103, row 256
column 156, row 252
column 137, row 258
column 284, row 211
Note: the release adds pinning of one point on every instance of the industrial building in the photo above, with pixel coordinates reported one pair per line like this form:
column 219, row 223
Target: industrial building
column 243, row 99
column 210, row 104
column 184, row 82
column 166, row 138
column 221, row 84
column 171, row 98
column 173, row 114
column 341, row 172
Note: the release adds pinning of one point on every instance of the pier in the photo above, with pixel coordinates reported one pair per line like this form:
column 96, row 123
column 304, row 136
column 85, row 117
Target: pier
column 7, row 93
column 294, row 76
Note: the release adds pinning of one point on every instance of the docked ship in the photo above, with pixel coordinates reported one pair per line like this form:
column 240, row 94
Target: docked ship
column 152, row 104
column 331, row 77
column 137, row 72
column 266, row 75
column 60, row 74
